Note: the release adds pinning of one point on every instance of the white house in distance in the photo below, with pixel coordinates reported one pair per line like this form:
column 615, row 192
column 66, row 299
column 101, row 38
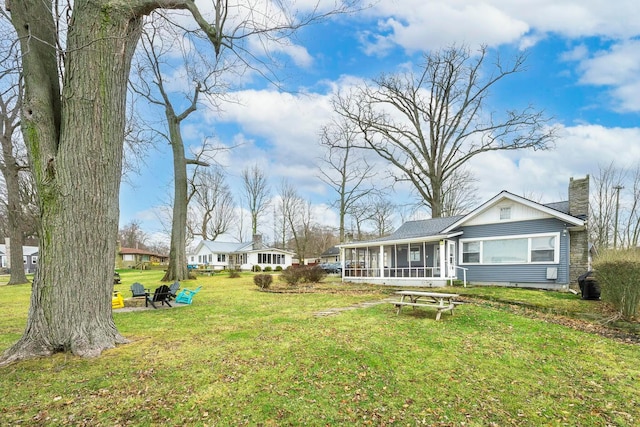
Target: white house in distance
column 245, row 255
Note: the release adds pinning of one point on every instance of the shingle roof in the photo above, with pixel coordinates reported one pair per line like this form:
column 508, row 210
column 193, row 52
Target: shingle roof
column 333, row 250
column 425, row 227
column 420, row 228
column 559, row 206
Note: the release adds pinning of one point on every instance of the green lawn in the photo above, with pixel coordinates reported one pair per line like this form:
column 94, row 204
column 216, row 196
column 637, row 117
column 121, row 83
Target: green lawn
column 242, row 357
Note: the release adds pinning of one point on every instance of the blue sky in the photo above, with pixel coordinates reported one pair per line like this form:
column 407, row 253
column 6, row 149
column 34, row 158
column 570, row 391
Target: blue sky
column 583, row 69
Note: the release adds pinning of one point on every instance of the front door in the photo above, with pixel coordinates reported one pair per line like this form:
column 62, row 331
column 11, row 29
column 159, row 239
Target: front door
column 451, row 259
column 436, row 260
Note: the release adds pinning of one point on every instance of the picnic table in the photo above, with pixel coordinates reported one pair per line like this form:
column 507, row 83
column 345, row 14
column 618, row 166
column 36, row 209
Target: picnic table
column 440, row 301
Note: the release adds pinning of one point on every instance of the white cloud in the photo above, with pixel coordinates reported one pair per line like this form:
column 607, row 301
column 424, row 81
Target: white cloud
column 617, row 68
column 579, row 152
column 429, row 24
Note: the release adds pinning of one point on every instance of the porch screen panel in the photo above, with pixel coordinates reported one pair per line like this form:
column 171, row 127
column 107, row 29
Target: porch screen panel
column 505, row 251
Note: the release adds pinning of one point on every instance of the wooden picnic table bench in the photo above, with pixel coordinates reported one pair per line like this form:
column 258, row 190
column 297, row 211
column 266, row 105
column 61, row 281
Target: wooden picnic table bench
column 440, row 301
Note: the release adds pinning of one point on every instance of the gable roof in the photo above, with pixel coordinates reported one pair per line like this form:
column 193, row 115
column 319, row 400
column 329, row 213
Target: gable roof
column 447, row 227
column 553, row 209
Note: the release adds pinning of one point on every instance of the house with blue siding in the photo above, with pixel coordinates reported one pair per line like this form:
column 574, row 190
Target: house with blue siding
column 507, row 241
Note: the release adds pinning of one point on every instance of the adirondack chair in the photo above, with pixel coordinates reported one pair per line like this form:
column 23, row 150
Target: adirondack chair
column 139, row 291
column 117, row 300
column 161, row 294
column 186, row 295
column 174, row 289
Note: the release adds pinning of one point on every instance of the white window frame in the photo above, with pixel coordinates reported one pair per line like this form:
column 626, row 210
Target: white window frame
column 505, row 213
column 529, row 237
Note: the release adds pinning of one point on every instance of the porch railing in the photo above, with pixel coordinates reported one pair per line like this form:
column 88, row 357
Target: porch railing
column 430, row 272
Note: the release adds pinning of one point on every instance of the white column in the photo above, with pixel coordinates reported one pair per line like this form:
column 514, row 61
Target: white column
column 443, row 259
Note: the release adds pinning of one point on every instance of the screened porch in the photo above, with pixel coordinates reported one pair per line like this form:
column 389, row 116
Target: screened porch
column 430, row 263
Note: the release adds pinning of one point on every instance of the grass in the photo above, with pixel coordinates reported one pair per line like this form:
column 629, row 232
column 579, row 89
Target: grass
column 238, row 356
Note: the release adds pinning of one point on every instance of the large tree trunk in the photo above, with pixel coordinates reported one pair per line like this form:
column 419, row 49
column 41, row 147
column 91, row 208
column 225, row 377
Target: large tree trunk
column 177, row 268
column 75, row 141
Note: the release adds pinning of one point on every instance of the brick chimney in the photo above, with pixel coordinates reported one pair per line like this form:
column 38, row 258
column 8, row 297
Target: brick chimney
column 579, row 197
column 579, row 239
column 257, row 241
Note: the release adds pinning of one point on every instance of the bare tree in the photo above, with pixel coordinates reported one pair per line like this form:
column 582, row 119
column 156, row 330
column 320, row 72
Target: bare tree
column 603, row 206
column 151, row 85
column 359, row 213
column 256, row 194
column 630, row 230
column 296, row 214
column 132, row 235
column 76, row 58
column 429, row 124
column 346, row 173
column 13, row 162
column 382, row 216
column 212, row 205
column 459, row 194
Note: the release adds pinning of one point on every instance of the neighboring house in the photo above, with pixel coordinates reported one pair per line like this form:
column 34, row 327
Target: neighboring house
column 223, row 255
column 139, row 258
column 330, row 255
column 509, row 241
column 29, row 257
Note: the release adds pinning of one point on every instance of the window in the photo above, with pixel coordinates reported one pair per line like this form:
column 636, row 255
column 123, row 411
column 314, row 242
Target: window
column 543, row 249
column 270, row 258
column 471, row 252
column 414, row 254
column 505, row 213
column 514, row 250
column 222, row 257
column 34, row 259
column 504, row 251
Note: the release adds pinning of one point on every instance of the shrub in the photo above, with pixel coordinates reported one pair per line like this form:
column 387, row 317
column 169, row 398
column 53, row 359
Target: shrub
column 263, row 281
column 291, row 276
column 278, row 268
column 234, row 273
column 256, row 269
column 268, row 268
column 618, row 274
column 313, row 274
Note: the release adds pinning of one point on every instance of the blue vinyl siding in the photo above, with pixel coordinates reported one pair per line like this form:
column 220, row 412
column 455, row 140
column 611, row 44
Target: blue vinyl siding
column 519, row 273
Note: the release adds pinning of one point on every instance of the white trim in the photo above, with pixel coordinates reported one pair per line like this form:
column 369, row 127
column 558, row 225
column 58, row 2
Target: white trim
column 556, row 249
column 505, row 195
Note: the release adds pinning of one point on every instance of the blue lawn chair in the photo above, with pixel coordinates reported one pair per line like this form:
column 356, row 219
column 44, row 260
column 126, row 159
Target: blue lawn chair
column 186, row 295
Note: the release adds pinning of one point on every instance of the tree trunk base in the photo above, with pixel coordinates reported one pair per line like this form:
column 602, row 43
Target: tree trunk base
column 28, row 348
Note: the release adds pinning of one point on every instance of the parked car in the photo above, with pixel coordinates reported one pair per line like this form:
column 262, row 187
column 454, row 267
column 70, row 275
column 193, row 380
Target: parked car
column 331, row 267
column 116, row 277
